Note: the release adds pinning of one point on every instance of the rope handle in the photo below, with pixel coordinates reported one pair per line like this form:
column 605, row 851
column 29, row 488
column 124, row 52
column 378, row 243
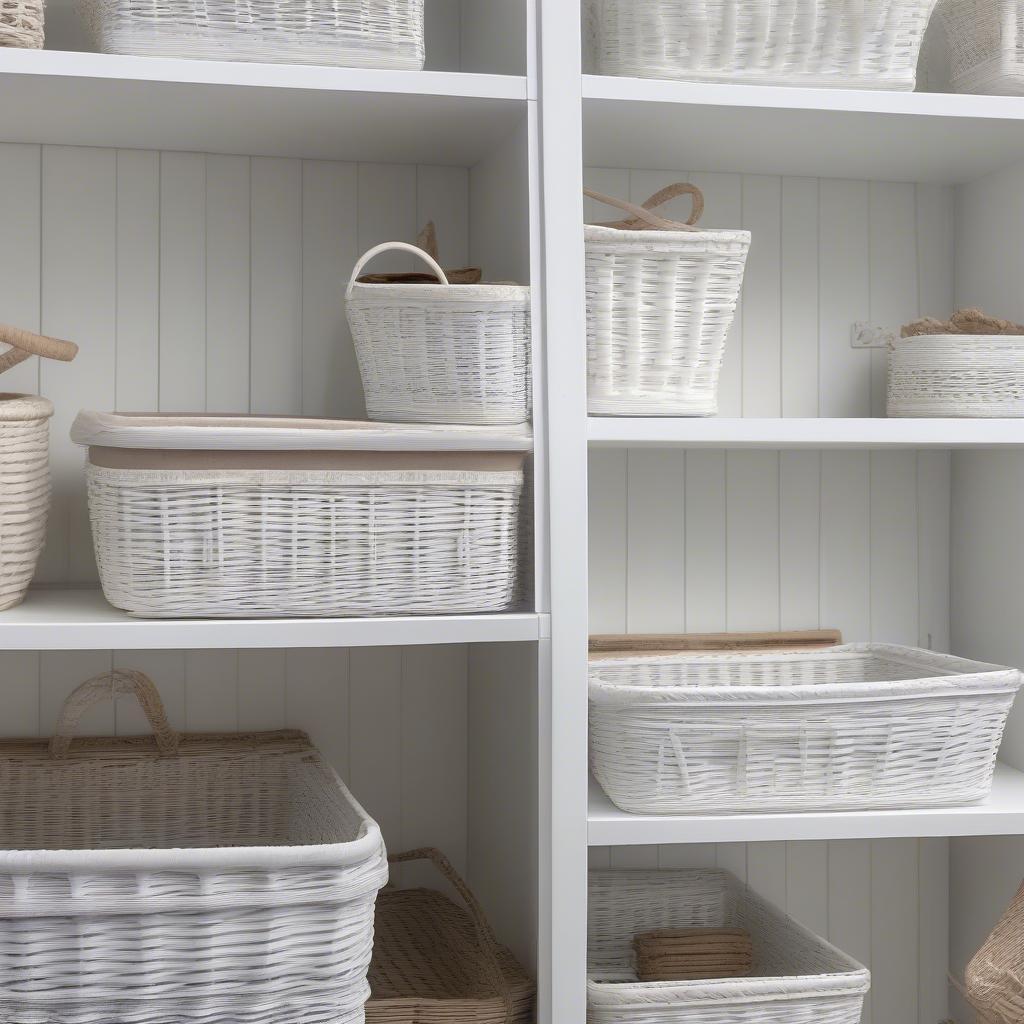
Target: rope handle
column 25, row 344
column 389, row 247
column 489, row 944
column 110, row 686
column 644, row 218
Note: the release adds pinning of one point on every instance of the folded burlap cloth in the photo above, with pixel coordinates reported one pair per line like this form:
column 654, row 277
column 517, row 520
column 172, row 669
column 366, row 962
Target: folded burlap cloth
column 963, row 321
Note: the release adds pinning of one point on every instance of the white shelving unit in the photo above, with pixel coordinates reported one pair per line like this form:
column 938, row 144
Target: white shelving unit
column 191, row 225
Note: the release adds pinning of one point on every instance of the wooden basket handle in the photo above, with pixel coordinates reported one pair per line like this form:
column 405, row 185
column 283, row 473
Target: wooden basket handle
column 489, row 944
column 110, row 686
column 25, row 344
column 644, row 218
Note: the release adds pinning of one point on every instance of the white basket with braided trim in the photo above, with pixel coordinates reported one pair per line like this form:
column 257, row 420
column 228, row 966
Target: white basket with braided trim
column 220, row 879
column 661, row 296
column 849, row 727
column 440, row 353
column 986, row 44
column 797, row 978
column 872, row 44
column 267, row 516
column 349, row 33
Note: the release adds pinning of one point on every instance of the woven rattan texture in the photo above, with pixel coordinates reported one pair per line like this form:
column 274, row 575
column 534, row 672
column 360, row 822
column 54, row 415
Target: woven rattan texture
column 352, row 33
column 993, row 981
column 986, row 44
column 864, row 726
column 240, row 543
column 869, row 45
column 21, row 23
column 956, row 375
column 797, row 977
column 659, row 307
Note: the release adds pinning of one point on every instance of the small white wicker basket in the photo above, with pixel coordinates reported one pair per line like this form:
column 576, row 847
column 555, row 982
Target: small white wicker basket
column 441, row 353
column 986, row 43
column 798, row 978
column 956, row 375
column 851, row 727
column 661, row 296
column 350, row 33
column 181, row 878
column 269, row 516
column 872, row 44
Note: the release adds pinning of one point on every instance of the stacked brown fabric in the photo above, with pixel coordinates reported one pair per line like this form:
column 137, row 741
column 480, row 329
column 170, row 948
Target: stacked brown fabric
column 963, row 321
column 693, row 954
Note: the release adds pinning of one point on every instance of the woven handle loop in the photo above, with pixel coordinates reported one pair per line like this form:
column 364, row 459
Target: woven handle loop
column 489, row 944
column 25, row 344
column 389, row 247
column 110, row 686
column 644, row 218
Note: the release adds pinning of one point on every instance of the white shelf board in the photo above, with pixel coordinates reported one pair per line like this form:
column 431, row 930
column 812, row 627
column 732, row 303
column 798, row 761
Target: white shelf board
column 1001, row 814
column 79, row 620
column 92, row 99
column 847, row 133
column 723, row 432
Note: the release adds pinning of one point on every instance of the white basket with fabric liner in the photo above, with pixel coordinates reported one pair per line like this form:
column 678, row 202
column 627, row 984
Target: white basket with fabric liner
column 349, row 33
column 797, row 978
column 867, row 45
column 177, row 878
column 851, row 727
column 440, row 353
column 986, row 44
column 661, row 296
column 265, row 516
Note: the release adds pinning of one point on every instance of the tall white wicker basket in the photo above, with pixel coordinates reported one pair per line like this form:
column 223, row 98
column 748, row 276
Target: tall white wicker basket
column 851, row 727
column 986, row 44
column 872, row 44
column 661, row 296
column 215, row 879
column 441, row 353
column 798, row 978
column 351, row 33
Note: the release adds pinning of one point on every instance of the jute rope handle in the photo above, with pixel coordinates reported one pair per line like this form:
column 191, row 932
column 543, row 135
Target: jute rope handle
column 488, row 940
column 644, row 218
column 110, row 686
column 390, row 247
column 25, row 344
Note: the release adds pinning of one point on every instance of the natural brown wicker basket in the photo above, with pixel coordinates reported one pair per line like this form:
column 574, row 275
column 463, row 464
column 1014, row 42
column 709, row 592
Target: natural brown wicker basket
column 992, row 982
column 437, row 963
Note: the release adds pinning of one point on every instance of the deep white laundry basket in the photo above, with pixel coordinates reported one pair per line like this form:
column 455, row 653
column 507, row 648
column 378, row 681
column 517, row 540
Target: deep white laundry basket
column 872, row 44
column 235, row 516
column 215, row 879
column 986, row 43
column 661, row 296
column 956, row 375
column 849, row 727
column 798, row 978
column 351, row 33
column 440, row 353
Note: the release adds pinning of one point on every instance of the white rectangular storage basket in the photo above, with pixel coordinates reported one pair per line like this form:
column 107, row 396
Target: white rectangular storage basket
column 350, row 33
column 441, row 353
column 234, row 516
column 797, row 978
column 956, row 375
column 851, row 727
column 872, row 44
column 215, row 879
column 986, row 43
column 661, row 297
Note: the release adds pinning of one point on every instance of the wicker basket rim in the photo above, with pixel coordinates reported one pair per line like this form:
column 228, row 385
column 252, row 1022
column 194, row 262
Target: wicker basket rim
column 15, row 408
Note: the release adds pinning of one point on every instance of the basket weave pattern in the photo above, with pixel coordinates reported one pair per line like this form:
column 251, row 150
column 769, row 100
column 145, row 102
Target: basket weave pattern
column 993, row 982
column 21, row 23
column 986, row 44
column 869, row 45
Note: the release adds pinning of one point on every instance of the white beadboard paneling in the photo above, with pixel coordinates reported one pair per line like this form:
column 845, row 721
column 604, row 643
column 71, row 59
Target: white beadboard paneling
column 807, row 884
column 387, row 212
column 706, row 595
column 894, row 547
column 935, row 249
column 799, row 297
column 317, row 700
column 766, row 871
column 933, row 930
column 608, row 541
column 799, row 539
column 19, row 671
column 211, row 691
column 849, row 905
column 933, row 545
column 894, row 930
column 60, row 672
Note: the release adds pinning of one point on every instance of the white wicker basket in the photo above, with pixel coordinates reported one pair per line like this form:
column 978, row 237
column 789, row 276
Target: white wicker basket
column 798, row 978
column 351, row 33
column 316, row 518
column 21, row 23
column 956, row 375
column 872, row 44
column 852, row 727
column 222, row 879
column 659, row 306
column 441, row 353
column 986, row 44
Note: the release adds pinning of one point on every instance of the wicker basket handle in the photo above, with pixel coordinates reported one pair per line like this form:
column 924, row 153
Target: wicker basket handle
column 488, row 941
column 25, row 344
column 644, row 218
column 389, row 247
column 110, row 686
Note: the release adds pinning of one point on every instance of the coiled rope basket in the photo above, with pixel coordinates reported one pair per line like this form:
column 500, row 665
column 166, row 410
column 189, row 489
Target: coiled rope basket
column 21, row 24
column 24, row 466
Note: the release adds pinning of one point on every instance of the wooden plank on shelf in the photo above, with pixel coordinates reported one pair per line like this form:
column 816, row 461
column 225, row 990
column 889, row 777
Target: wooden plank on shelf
column 610, row 645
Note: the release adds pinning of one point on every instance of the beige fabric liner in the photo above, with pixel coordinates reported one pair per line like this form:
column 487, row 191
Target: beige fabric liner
column 158, row 458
